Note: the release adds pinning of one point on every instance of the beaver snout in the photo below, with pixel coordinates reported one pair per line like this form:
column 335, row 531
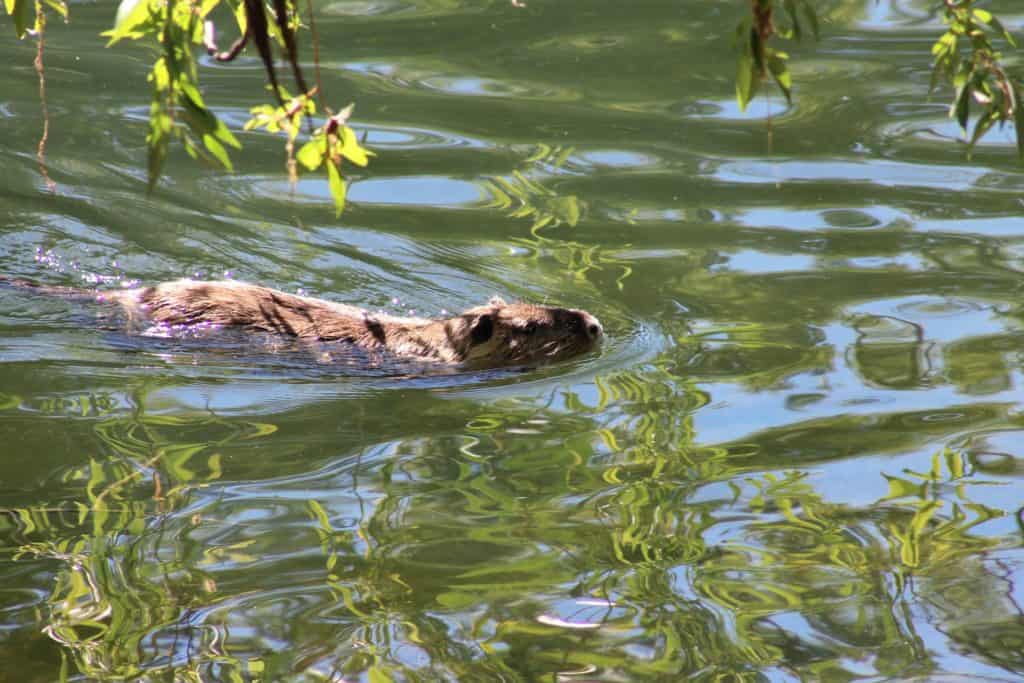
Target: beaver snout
column 592, row 326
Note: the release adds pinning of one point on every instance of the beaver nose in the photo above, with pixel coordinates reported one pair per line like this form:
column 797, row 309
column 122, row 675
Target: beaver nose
column 593, row 327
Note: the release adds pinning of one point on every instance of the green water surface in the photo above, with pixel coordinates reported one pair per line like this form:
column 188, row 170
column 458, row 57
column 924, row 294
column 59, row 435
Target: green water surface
column 798, row 456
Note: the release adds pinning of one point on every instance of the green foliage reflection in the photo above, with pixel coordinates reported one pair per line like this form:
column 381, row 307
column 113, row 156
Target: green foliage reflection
column 124, row 602
column 604, row 538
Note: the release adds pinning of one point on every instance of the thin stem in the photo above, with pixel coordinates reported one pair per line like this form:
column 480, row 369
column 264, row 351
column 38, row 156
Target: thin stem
column 41, row 150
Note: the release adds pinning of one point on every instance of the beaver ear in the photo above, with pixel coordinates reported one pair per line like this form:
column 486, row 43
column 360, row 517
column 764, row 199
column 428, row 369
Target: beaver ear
column 482, row 329
column 497, row 302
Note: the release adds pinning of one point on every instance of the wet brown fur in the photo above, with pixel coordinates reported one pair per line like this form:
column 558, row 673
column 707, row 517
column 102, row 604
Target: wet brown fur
column 496, row 333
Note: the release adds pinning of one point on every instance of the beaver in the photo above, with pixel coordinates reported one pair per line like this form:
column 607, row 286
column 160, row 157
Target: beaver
column 495, row 334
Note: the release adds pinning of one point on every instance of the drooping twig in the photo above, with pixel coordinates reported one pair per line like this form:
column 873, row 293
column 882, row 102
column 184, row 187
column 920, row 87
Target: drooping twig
column 257, row 29
column 256, row 21
column 281, row 10
column 41, row 150
column 210, row 43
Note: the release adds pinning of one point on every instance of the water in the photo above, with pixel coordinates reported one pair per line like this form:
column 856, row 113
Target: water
column 795, row 458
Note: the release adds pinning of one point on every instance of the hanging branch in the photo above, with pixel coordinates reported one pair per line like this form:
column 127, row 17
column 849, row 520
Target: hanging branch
column 256, row 23
column 281, row 10
column 178, row 111
column 977, row 74
column 38, row 62
column 757, row 59
column 210, row 43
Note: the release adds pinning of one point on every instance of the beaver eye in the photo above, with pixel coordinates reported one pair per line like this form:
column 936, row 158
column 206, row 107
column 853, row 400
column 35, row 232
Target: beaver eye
column 529, row 328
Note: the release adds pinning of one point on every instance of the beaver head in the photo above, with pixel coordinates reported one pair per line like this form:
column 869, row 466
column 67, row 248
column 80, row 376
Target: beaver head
column 499, row 333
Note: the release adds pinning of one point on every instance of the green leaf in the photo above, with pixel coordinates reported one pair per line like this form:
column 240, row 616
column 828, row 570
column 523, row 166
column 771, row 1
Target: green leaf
column 780, row 72
column 195, row 27
column 337, row 185
column 189, row 90
column 222, row 132
column 263, row 109
column 945, row 45
column 962, row 105
column 160, row 77
column 998, row 25
column 157, row 140
column 23, row 12
column 1018, row 120
column 132, row 15
column 812, row 19
column 747, row 81
column 984, row 16
column 207, row 6
column 757, row 50
column 204, row 122
column 60, row 7
column 311, row 154
column 794, row 19
column 981, row 127
column 240, row 18
column 214, row 147
column 351, row 149
column 225, row 135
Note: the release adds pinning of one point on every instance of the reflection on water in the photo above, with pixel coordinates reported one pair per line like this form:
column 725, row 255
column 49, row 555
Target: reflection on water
column 795, row 458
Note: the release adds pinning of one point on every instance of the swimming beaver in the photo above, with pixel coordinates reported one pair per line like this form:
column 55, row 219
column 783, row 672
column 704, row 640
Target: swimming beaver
column 494, row 334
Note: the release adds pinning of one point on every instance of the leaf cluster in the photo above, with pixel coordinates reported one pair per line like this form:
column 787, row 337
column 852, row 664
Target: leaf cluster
column 758, row 59
column 328, row 146
column 178, row 110
column 966, row 58
column 27, row 14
